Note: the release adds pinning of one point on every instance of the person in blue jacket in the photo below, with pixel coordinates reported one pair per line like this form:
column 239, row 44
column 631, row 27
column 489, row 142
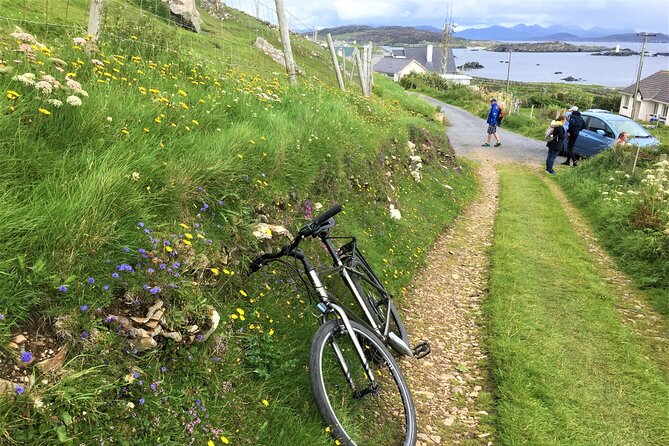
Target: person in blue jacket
column 493, row 115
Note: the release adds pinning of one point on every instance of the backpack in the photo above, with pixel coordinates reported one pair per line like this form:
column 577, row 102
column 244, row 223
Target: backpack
column 548, row 134
column 500, row 116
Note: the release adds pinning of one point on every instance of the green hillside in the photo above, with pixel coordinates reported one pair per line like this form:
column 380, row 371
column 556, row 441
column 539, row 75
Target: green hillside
column 137, row 169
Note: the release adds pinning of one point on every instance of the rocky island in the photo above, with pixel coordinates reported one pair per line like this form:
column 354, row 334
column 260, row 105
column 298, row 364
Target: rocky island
column 545, row 47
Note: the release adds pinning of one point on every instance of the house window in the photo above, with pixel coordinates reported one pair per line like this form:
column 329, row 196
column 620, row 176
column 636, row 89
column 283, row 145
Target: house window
column 656, row 108
column 626, row 101
column 663, row 110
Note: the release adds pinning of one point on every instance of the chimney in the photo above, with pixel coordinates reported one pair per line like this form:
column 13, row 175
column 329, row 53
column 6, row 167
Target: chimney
column 429, row 53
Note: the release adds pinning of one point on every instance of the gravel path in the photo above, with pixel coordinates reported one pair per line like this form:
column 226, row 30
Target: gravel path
column 443, row 306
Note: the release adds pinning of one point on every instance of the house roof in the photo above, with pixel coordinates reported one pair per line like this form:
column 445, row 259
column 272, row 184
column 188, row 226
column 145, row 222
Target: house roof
column 652, row 88
column 392, row 65
column 420, row 54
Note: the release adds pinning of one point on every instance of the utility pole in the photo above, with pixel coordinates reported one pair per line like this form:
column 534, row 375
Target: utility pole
column 638, row 73
column 508, row 74
column 636, row 88
column 285, row 39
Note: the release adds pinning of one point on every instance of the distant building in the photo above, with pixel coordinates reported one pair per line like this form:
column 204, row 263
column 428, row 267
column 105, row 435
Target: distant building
column 397, row 68
column 429, row 57
column 652, row 101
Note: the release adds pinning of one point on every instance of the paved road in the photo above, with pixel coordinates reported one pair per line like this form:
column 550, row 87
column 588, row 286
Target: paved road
column 467, row 132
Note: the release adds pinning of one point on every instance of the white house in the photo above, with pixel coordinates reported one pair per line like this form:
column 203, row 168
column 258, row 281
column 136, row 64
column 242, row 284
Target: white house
column 652, row 100
column 397, row 68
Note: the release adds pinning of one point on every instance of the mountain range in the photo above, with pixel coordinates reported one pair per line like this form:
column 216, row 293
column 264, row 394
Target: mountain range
column 555, row 32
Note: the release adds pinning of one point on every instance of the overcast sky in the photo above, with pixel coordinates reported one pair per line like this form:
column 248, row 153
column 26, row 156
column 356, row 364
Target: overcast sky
column 640, row 15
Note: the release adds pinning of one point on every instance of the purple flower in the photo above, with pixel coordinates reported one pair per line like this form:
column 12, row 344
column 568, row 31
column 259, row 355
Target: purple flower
column 163, row 369
column 19, row 389
column 26, row 356
column 141, row 401
column 215, row 358
column 2, row 316
column 153, row 386
column 84, row 307
column 124, row 267
column 155, row 290
column 220, row 202
column 176, row 265
column 62, row 288
column 200, row 337
column 166, row 243
column 141, row 251
column 140, row 224
column 147, row 231
column 110, row 319
column 115, row 275
column 197, row 225
column 162, row 266
column 150, row 270
column 91, row 280
column 84, row 335
column 135, row 374
column 126, row 249
column 106, row 287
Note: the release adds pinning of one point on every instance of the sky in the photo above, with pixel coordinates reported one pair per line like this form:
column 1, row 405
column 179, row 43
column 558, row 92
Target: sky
column 639, row 15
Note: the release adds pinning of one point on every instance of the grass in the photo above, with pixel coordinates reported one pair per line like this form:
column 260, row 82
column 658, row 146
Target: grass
column 566, row 369
column 178, row 150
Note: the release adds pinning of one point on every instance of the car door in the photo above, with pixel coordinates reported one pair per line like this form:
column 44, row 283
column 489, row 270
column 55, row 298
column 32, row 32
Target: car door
column 595, row 137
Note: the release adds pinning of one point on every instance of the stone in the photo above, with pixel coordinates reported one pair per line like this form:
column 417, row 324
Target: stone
column 6, row 386
column 20, row 339
column 13, row 346
column 185, row 14
column 395, row 213
column 55, row 363
column 215, row 319
column 415, row 165
column 440, row 118
column 276, row 55
column 264, row 231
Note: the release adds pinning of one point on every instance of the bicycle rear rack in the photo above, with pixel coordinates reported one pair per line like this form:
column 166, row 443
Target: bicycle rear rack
column 421, row 350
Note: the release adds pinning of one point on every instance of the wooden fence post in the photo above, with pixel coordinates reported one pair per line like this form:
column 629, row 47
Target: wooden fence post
column 361, row 73
column 335, row 61
column 285, row 39
column 94, row 19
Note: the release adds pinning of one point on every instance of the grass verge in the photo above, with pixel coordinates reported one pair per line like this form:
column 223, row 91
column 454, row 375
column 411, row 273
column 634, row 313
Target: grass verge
column 567, row 370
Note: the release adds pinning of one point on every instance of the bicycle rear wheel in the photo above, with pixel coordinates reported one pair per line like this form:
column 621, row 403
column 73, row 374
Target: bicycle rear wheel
column 360, row 415
column 381, row 307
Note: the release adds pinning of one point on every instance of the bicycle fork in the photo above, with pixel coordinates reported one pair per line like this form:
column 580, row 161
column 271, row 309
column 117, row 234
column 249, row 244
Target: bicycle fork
column 327, row 305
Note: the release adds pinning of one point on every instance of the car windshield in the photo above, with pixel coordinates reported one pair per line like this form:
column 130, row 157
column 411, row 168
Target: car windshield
column 633, row 129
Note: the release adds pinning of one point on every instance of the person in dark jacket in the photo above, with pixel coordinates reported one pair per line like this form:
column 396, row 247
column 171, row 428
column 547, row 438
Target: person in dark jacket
column 555, row 144
column 494, row 112
column 576, row 124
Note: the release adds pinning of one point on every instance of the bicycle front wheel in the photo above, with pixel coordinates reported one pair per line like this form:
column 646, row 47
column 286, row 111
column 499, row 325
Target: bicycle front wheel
column 357, row 413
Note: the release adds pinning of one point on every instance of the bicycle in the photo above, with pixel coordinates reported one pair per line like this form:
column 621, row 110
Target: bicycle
column 356, row 382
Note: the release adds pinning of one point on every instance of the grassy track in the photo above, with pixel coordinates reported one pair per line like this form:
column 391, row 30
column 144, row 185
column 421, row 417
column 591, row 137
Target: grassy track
column 567, row 371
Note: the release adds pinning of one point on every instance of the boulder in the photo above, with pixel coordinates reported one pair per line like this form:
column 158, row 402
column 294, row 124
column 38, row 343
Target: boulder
column 185, row 13
column 276, row 55
column 440, row 118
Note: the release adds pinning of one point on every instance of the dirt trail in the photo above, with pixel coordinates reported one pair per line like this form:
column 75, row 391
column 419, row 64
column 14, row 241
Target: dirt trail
column 443, row 306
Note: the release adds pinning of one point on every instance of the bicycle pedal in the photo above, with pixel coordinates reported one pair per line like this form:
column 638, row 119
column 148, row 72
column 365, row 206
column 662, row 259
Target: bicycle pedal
column 421, row 350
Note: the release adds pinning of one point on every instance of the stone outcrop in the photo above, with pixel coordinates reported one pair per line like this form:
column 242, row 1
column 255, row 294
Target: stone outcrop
column 276, row 54
column 185, row 13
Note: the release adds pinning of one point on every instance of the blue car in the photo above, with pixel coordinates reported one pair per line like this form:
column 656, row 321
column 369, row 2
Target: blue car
column 601, row 131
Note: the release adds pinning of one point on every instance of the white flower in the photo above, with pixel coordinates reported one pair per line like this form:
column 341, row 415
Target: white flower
column 55, row 102
column 25, row 79
column 79, row 40
column 74, row 101
column 135, row 176
column 74, row 85
column 97, row 62
column 81, row 93
column 109, row 119
column 44, row 87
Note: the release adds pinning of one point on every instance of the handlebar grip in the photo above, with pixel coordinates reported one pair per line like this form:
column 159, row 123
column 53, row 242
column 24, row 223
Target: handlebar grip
column 334, row 210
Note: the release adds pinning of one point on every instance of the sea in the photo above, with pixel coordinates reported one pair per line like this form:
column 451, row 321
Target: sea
column 609, row 71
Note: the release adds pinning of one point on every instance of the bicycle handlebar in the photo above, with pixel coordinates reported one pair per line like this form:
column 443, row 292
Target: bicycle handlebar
column 305, row 232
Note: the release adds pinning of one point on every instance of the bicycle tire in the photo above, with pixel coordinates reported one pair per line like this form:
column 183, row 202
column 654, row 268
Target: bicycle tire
column 385, row 417
column 363, row 280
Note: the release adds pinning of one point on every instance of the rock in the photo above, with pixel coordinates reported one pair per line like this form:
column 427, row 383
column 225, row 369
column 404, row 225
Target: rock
column 570, row 79
column 215, row 318
column 440, row 118
column 172, row 335
column 185, row 13
column 6, row 386
column 276, row 55
column 13, row 346
column 20, row 339
column 263, row 231
column 415, row 165
column 395, row 213
column 55, row 363
column 411, row 146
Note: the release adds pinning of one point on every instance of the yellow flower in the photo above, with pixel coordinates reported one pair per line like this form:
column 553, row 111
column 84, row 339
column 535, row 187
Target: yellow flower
column 184, row 106
column 11, row 95
column 195, row 122
column 243, row 293
column 227, row 272
column 200, row 236
column 188, row 235
column 210, row 443
column 240, row 311
column 215, row 271
column 44, row 111
column 225, row 440
column 187, row 243
column 271, row 331
column 182, row 93
column 265, row 403
column 125, row 131
column 168, row 249
column 183, row 225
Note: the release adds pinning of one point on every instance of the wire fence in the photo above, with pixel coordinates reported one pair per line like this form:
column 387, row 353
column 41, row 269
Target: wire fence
column 228, row 26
